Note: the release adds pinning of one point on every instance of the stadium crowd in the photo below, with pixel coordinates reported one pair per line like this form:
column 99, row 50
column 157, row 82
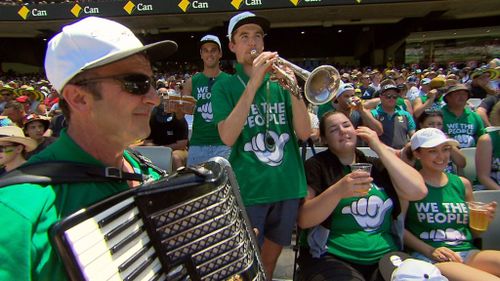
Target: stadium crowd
column 419, row 116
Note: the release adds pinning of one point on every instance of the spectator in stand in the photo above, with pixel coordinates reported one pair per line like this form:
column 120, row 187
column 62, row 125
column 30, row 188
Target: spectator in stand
column 488, row 153
column 433, row 100
column 434, row 119
column 52, row 98
column 375, row 78
column 346, row 102
column 365, row 83
column 460, row 122
column 35, row 127
column 205, row 142
column 348, row 228
column 262, row 122
column 479, row 87
column 485, row 107
column 437, row 226
column 13, row 145
column 464, row 76
column 398, row 125
column 6, row 95
column 15, row 111
column 171, row 130
column 413, row 91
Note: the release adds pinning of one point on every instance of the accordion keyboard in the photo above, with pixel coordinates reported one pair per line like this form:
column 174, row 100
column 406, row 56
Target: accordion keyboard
column 114, row 245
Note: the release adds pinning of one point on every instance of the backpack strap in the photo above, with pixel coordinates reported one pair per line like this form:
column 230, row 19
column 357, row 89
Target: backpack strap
column 144, row 162
column 58, row 172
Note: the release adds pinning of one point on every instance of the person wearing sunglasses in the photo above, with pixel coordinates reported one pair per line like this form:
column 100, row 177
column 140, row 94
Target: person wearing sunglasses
column 13, row 146
column 104, row 76
column 205, row 142
column 398, row 124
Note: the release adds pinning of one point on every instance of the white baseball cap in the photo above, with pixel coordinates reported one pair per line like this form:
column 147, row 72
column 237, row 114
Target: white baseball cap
column 399, row 266
column 245, row 18
column 210, row 39
column 343, row 88
column 417, row 270
column 430, row 137
column 93, row 42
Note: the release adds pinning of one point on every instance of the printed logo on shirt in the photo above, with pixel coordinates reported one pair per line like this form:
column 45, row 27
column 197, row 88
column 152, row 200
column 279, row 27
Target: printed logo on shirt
column 369, row 212
column 257, row 115
column 449, row 236
column 206, row 112
column 269, row 155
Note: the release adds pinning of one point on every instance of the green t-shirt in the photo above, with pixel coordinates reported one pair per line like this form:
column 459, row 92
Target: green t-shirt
column 204, row 129
column 351, row 227
column 28, row 210
column 466, row 128
column 441, row 218
column 264, row 175
column 324, row 108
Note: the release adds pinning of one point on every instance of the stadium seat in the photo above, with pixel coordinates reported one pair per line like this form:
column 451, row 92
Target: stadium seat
column 474, row 102
column 161, row 156
column 469, row 171
column 368, row 151
column 490, row 237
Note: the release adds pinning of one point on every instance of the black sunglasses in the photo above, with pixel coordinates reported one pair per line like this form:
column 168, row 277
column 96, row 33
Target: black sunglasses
column 136, row 84
column 391, row 96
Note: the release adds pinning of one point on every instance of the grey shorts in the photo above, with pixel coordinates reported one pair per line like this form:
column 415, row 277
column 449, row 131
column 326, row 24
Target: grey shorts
column 274, row 221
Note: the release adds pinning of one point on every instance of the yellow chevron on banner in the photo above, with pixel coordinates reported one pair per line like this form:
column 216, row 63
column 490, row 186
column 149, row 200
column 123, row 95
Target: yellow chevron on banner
column 23, row 12
column 236, row 3
column 129, row 7
column 76, row 10
column 184, row 4
column 295, row 2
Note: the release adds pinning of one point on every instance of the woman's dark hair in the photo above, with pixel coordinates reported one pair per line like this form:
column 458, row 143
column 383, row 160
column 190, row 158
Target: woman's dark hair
column 426, row 114
column 322, row 121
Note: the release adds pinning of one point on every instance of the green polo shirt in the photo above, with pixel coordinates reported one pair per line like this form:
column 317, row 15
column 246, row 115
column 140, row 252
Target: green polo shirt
column 396, row 126
column 28, row 211
column 466, row 128
column 264, row 176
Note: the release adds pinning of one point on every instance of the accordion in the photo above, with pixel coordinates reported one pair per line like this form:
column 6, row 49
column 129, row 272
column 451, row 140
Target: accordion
column 191, row 225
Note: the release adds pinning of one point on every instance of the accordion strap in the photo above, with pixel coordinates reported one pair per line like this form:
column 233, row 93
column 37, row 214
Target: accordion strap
column 58, row 172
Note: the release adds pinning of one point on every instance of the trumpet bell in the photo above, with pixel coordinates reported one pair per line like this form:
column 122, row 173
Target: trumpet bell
column 322, row 85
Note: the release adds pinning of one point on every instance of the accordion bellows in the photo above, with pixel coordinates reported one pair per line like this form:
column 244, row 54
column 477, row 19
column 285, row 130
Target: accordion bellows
column 188, row 226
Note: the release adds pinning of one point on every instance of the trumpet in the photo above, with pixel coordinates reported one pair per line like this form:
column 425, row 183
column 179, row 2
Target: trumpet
column 321, row 85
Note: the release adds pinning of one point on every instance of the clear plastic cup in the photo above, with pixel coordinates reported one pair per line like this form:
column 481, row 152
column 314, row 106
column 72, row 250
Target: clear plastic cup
column 478, row 216
column 367, row 167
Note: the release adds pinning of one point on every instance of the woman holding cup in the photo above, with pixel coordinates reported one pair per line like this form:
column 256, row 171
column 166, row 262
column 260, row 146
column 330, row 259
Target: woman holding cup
column 440, row 227
column 347, row 213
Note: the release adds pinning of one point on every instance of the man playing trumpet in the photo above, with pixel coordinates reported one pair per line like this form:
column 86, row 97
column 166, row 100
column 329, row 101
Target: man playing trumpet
column 261, row 121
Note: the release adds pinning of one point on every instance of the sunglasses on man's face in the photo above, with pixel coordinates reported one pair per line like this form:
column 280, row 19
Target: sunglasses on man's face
column 390, row 96
column 136, row 84
column 6, row 148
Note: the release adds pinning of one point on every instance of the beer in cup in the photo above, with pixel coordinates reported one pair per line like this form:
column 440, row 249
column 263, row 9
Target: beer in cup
column 367, row 167
column 478, row 216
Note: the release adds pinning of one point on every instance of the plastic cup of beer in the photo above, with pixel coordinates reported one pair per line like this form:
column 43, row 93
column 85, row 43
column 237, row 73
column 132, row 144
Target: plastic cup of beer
column 478, row 216
column 367, row 167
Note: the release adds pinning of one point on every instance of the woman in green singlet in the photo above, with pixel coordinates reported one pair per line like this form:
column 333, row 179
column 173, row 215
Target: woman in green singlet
column 437, row 226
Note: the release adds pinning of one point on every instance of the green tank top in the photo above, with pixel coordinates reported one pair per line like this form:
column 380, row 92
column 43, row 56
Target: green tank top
column 204, row 129
column 353, row 224
column 441, row 218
